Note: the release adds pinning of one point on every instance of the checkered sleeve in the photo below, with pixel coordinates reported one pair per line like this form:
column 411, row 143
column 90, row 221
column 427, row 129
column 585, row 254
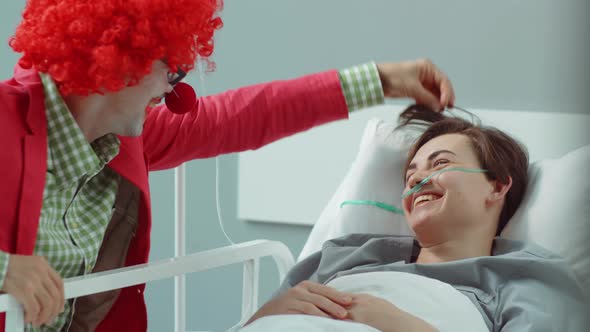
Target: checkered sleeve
column 361, row 86
column 3, row 267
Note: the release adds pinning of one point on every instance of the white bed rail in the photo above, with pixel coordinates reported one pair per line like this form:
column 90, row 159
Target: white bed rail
column 247, row 252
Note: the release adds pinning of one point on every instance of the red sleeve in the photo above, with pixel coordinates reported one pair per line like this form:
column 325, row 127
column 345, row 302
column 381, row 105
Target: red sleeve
column 242, row 119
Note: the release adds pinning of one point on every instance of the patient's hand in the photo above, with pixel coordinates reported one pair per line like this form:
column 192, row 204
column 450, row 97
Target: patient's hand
column 307, row 298
column 383, row 315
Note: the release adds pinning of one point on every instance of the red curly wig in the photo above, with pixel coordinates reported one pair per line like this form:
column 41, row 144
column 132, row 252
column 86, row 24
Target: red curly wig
column 93, row 46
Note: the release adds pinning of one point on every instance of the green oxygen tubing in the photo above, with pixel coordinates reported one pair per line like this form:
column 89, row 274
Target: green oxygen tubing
column 416, row 188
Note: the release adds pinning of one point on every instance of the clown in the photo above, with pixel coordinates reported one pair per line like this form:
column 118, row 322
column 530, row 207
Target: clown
column 82, row 125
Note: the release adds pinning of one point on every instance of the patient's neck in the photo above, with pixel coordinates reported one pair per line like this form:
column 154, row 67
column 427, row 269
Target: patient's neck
column 455, row 249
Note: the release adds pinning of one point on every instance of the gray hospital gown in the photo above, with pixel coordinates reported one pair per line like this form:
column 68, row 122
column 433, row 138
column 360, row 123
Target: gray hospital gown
column 521, row 287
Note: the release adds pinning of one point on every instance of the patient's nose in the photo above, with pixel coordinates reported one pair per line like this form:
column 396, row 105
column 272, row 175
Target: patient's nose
column 416, row 178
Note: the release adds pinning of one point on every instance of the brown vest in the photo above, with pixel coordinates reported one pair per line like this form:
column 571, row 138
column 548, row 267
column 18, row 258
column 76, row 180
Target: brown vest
column 90, row 310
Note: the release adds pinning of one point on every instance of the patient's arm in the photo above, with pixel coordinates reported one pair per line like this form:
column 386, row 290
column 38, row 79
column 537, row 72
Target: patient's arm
column 384, row 316
column 543, row 297
column 308, row 298
column 315, row 299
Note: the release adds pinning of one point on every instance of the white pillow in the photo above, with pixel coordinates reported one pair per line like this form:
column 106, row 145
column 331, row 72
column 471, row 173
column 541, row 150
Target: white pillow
column 555, row 212
column 375, row 175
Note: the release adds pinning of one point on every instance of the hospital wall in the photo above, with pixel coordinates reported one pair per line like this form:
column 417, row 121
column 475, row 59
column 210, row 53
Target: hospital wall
column 524, row 55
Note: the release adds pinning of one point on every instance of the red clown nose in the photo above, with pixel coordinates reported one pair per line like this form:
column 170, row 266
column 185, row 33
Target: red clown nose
column 182, row 99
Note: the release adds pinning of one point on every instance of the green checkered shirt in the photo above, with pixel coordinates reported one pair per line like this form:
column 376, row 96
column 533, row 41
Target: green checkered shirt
column 78, row 197
column 80, row 192
column 361, row 86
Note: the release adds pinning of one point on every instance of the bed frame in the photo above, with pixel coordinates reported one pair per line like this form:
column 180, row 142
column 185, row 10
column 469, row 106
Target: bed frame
column 248, row 253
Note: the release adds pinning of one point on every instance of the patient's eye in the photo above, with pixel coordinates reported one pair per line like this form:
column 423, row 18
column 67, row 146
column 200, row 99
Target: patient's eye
column 441, row 162
column 438, row 162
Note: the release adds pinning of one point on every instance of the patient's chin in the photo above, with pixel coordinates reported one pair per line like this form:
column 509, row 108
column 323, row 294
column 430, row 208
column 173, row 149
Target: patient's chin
column 426, row 215
column 421, row 222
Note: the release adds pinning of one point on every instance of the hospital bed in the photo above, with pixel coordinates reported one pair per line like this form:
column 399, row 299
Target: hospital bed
column 549, row 137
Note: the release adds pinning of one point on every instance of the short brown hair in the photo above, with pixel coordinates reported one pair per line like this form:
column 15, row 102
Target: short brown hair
column 499, row 153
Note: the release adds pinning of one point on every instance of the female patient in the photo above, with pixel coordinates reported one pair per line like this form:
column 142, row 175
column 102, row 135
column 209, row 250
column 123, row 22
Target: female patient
column 456, row 216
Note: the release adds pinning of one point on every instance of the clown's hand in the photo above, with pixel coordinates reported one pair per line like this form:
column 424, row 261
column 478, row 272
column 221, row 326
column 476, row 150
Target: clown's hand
column 36, row 285
column 420, row 80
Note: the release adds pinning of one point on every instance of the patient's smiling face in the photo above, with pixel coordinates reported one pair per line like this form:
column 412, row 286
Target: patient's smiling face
column 453, row 202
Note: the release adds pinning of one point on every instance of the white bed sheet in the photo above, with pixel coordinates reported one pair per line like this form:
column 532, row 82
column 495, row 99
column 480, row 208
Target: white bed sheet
column 436, row 302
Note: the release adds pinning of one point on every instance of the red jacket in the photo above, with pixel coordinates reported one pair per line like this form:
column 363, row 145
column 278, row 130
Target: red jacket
column 237, row 120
